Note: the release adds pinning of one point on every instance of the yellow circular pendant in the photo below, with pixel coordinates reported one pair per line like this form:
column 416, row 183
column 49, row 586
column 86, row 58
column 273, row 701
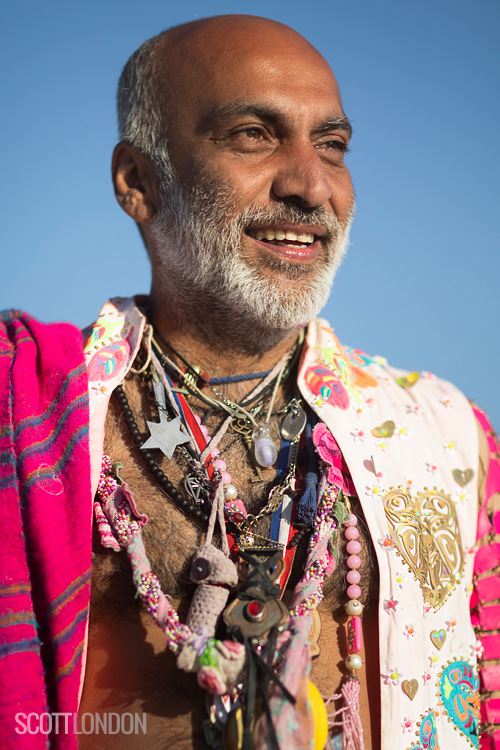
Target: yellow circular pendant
column 320, row 717
column 233, row 731
column 232, row 738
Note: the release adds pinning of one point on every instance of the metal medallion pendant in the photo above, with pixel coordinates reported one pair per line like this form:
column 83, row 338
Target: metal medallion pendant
column 197, row 489
column 293, row 423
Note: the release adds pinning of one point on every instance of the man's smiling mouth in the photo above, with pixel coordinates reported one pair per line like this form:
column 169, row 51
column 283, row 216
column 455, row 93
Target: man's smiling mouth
column 288, row 238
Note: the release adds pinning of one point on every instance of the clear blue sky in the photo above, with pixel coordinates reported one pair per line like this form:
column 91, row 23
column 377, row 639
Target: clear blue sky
column 420, row 81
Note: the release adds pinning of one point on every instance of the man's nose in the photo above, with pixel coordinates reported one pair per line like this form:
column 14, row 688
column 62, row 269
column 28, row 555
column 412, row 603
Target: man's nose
column 301, row 175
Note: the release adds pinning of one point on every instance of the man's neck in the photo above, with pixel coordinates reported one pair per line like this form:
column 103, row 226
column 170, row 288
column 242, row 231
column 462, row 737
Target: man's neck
column 220, row 350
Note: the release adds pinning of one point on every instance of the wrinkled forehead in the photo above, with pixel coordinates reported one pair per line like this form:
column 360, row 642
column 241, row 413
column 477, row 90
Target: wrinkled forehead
column 266, row 64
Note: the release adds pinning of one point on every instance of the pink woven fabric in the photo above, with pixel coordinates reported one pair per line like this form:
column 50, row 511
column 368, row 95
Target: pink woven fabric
column 485, row 615
column 46, row 505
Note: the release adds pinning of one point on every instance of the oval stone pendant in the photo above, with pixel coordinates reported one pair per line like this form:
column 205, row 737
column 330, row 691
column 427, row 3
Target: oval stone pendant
column 293, row 423
column 264, row 449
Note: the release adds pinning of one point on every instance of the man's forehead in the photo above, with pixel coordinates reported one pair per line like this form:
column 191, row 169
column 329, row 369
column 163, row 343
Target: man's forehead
column 217, row 34
column 231, row 57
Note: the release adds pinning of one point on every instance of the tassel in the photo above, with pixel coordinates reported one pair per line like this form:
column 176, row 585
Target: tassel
column 307, row 506
column 352, row 729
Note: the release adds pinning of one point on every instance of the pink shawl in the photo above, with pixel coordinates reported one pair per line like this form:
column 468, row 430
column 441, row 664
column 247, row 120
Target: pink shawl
column 485, row 607
column 45, row 503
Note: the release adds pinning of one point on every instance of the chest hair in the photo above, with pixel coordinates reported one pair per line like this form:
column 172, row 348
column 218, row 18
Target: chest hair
column 171, row 538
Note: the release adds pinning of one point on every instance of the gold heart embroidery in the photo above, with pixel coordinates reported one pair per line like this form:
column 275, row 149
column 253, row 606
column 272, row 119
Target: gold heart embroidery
column 438, row 638
column 426, row 536
column 409, row 380
column 410, row 688
column 385, row 430
column 463, row 477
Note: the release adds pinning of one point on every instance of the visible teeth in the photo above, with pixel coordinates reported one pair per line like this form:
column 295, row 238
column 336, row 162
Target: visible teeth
column 305, row 238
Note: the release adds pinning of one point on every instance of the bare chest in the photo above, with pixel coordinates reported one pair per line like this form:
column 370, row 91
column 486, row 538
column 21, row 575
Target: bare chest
column 128, row 667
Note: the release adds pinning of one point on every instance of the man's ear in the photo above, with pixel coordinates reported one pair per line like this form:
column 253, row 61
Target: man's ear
column 135, row 183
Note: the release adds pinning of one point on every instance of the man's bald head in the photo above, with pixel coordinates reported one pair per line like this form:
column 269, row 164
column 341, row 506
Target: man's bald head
column 169, row 67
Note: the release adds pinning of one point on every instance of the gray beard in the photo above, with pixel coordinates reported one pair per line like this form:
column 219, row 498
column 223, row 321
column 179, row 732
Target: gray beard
column 201, row 271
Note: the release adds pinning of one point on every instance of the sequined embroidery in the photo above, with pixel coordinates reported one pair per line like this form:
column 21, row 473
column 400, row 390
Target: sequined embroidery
column 342, row 371
column 458, row 686
column 426, row 536
column 427, row 734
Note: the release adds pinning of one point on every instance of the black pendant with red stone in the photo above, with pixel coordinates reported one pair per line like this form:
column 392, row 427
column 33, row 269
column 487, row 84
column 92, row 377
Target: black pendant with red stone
column 257, row 608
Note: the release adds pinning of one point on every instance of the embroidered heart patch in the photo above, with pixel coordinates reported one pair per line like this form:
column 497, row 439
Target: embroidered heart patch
column 385, row 430
column 410, row 688
column 429, row 515
column 458, row 687
column 438, row 638
column 409, row 380
column 463, row 477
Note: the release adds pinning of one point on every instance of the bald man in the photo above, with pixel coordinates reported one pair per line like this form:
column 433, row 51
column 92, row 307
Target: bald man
column 259, row 149
column 275, row 495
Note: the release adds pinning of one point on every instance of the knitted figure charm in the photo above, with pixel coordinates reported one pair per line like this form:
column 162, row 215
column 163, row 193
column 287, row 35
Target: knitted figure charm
column 218, row 665
column 215, row 574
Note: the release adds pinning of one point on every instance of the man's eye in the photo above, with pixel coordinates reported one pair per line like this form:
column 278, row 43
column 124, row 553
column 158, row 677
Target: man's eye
column 253, row 133
column 249, row 139
column 334, row 145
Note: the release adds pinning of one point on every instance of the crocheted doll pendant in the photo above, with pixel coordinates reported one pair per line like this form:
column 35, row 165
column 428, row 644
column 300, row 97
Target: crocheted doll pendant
column 257, row 607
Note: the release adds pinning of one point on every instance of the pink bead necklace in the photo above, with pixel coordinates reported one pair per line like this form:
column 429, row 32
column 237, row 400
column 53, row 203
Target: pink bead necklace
column 230, row 491
column 353, row 607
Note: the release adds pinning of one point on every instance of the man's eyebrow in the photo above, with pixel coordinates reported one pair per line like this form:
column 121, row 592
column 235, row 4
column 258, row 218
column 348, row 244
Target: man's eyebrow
column 237, row 109
column 266, row 114
column 336, row 123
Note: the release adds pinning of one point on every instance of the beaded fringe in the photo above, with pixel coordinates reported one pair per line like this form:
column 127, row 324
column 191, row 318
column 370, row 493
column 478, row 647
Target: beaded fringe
column 348, row 716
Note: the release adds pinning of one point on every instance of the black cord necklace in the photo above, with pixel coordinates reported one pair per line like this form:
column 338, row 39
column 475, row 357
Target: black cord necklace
column 161, row 478
column 152, row 466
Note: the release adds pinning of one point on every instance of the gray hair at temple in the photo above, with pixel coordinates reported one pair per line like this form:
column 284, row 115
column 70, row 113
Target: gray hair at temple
column 141, row 105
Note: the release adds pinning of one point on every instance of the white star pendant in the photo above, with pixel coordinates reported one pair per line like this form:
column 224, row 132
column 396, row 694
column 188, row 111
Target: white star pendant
column 166, row 436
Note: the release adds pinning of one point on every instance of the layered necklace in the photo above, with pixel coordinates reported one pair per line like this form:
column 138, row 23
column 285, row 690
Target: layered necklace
column 207, row 479
column 255, row 670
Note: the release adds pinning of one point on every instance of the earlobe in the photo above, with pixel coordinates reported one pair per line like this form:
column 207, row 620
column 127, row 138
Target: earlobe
column 135, row 183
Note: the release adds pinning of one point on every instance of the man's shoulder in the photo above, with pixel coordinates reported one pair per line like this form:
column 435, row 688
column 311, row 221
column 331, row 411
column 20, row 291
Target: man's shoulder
column 357, row 369
column 111, row 345
column 18, row 327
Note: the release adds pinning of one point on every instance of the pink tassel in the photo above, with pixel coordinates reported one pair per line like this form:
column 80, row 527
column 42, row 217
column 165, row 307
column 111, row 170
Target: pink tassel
column 352, row 729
